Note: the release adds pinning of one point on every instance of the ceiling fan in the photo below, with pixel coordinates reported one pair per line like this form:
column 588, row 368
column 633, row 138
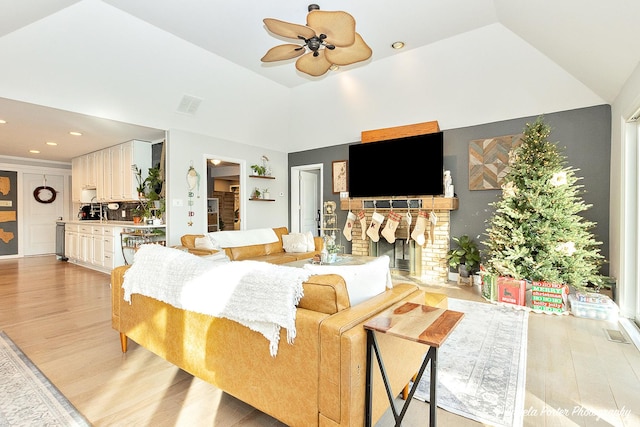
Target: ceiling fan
column 329, row 38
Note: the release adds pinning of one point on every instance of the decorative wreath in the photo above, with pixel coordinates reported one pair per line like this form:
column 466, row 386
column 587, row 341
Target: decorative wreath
column 51, row 192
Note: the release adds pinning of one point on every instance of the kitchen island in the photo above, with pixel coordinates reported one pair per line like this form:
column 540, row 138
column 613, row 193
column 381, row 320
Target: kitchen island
column 99, row 244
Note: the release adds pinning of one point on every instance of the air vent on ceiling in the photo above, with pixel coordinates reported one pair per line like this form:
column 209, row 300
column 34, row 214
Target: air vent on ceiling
column 189, row 105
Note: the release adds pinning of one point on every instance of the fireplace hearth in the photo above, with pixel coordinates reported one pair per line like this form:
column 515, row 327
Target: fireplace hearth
column 426, row 262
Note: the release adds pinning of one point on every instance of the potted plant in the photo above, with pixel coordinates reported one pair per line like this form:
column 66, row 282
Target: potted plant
column 465, row 257
column 137, row 215
column 256, row 193
column 265, row 193
column 258, row 170
column 153, row 183
column 141, row 182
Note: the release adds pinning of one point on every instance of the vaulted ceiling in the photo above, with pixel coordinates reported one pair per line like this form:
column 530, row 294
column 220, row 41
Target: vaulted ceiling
column 134, row 61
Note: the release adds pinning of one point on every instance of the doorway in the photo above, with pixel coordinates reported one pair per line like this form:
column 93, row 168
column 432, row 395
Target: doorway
column 224, row 185
column 39, row 227
column 306, row 198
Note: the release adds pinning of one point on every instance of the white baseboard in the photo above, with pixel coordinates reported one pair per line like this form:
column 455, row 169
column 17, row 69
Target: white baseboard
column 631, row 329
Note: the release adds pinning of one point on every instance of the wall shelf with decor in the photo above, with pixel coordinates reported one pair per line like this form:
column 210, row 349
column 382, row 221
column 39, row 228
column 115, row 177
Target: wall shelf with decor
column 262, row 200
column 262, row 176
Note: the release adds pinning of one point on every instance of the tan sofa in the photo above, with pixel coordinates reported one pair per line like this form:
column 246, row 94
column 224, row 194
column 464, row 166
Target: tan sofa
column 273, row 253
column 319, row 380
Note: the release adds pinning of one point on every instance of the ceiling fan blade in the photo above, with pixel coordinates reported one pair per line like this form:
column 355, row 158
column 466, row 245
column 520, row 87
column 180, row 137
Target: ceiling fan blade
column 282, row 52
column 357, row 52
column 313, row 65
column 287, row 29
column 340, row 27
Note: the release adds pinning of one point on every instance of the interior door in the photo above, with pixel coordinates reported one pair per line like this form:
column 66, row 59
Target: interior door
column 309, row 201
column 39, row 219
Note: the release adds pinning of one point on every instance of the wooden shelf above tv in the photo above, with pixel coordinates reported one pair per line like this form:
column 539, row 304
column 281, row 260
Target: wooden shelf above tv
column 399, row 131
column 436, row 203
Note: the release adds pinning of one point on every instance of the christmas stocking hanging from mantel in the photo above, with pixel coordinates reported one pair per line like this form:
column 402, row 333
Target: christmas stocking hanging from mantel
column 389, row 232
column 363, row 224
column 374, row 228
column 348, row 227
column 433, row 220
column 420, row 228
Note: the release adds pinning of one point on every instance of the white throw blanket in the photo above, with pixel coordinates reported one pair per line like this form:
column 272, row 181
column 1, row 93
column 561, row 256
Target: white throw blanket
column 235, row 238
column 258, row 295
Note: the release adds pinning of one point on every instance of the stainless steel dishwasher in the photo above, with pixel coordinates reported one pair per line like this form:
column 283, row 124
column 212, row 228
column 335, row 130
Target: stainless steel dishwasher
column 60, row 241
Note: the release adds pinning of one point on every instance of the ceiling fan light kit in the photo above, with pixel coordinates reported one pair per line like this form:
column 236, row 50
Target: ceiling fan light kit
column 329, row 38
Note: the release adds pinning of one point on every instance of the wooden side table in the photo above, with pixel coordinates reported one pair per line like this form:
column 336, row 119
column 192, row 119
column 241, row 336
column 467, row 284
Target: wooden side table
column 415, row 322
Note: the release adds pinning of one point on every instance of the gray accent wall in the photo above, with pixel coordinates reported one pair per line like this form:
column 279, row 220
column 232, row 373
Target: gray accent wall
column 583, row 135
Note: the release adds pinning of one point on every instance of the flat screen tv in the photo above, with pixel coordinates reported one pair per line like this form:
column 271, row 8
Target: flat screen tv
column 408, row 166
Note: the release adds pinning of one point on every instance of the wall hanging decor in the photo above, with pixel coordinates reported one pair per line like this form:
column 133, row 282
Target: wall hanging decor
column 193, row 185
column 339, row 176
column 8, row 213
column 489, row 161
column 44, row 193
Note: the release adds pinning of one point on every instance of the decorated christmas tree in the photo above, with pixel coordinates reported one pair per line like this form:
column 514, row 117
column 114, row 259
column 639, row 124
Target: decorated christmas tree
column 536, row 231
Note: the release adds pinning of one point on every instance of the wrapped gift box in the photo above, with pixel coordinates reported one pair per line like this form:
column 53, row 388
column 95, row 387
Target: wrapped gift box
column 549, row 297
column 489, row 286
column 511, row 290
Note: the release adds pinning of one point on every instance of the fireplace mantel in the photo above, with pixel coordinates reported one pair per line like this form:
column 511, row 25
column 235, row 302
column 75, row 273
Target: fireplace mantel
column 435, row 203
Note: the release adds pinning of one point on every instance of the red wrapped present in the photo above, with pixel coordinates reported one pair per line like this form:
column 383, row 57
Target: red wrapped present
column 511, row 290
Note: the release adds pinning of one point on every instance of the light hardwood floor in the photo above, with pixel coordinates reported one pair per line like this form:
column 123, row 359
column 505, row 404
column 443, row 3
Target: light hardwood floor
column 59, row 315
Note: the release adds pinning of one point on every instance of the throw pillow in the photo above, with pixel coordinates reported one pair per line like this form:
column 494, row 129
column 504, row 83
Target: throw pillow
column 363, row 281
column 213, row 242
column 203, row 243
column 311, row 244
column 294, row 242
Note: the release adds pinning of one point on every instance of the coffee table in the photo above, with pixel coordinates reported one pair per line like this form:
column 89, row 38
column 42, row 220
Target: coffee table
column 415, row 322
column 342, row 260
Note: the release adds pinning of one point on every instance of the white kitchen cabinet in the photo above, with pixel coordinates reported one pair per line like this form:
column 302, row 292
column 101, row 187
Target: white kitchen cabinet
column 78, row 175
column 109, row 171
column 93, row 245
column 101, row 196
column 71, row 241
column 91, row 174
column 116, row 173
column 85, row 251
column 97, row 241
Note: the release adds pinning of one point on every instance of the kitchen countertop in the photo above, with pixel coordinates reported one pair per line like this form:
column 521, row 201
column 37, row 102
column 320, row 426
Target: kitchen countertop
column 128, row 224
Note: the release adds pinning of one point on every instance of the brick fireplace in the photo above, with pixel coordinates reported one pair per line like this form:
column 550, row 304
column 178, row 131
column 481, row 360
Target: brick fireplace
column 427, row 262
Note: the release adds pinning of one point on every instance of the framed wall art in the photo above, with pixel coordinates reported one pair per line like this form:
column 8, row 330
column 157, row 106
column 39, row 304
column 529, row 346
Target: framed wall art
column 339, row 169
column 489, row 161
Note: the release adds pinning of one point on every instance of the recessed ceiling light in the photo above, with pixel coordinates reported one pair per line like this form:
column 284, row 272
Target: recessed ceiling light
column 397, row 45
column 215, row 162
column 34, row 151
column 52, row 143
column 74, row 133
column 2, row 122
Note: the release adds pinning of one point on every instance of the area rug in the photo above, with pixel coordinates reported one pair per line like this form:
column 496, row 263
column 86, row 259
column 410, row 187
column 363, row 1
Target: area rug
column 482, row 365
column 27, row 397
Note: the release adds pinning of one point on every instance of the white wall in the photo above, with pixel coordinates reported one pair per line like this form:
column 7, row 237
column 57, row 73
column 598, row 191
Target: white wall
column 187, row 148
column 484, row 76
column 624, row 197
